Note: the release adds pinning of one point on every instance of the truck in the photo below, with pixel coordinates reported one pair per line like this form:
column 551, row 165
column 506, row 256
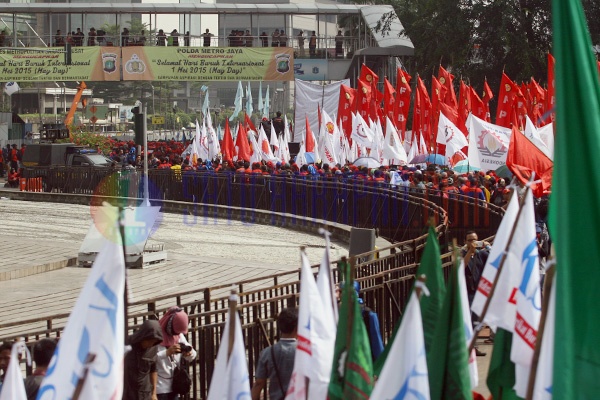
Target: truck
column 55, row 164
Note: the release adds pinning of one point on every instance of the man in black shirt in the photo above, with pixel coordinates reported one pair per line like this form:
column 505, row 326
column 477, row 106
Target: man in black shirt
column 278, row 124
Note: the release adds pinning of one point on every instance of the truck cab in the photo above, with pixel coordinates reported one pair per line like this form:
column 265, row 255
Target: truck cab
column 63, row 154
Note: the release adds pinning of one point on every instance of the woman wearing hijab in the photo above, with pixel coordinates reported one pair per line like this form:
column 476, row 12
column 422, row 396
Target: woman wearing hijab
column 174, row 325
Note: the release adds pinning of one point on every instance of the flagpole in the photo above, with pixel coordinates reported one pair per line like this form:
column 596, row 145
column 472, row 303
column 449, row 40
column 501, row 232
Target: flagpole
column 540, row 334
column 327, row 235
column 233, row 300
column 81, row 381
column 125, row 294
column 500, row 267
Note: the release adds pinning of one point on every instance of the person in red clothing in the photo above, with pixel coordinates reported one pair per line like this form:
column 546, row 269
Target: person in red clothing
column 1, row 165
column 13, row 179
column 473, row 190
column 14, row 158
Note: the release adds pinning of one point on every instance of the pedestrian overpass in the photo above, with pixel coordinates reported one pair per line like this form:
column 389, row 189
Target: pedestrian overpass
column 30, row 30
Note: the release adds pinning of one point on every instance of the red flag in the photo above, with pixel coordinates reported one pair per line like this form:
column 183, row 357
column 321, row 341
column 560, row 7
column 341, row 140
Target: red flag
column 446, row 79
column 506, row 98
column 477, row 105
column 402, row 104
column 520, row 106
column 537, row 96
column 438, row 92
column 363, row 99
column 347, row 105
column 598, row 67
column 487, row 97
column 524, row 157
column 367, row 75
column 241, row 144
column 310, row 138
column 422, row 114
column 464, row 107
column 551, row 96
column 389, row 99
column 249, row 124
column 227, row 147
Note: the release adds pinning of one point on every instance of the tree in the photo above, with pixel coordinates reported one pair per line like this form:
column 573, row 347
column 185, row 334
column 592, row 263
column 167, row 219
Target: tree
column 476, row 39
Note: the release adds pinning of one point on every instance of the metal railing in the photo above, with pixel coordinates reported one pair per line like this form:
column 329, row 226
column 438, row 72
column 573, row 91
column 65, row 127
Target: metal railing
column 385, row 282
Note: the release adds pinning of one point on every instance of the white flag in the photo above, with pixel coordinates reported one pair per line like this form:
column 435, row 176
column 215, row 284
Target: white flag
column 405, row 375
column 327, row 150
column 11, row 87
column 488, row 143
column 529, row 301
column 13, row 387
column 325, row 284
column 230, row 379
column 451, row 136
column 546, row 133
column 214, row 148
column 466, row 313
column 238, row 101
column 502, row 305
column 203, row 150
column 284, row 150
column 286, row 130
column 378, row 141
column 422, row 145
column 316, row 340
column 256, row 156
column 392, row 148
column 196, row 144
column 95, row 327
column 414, row 150
column 301, row 156
column 361, row 133
column 265, row 148
column 532, row 133
column 543, row 380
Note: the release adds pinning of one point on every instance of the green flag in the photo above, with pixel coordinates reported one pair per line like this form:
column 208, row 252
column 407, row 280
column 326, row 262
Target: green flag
column 352, row 370
column 431, row 267
column 574, row 206
column 501, row 374
column 449, row 375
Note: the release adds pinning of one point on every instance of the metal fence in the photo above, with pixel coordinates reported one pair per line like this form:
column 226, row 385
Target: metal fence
column 385, row 282
column 397, row 215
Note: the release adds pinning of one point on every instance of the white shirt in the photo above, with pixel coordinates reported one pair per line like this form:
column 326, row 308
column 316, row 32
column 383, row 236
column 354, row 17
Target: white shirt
column 165, row 366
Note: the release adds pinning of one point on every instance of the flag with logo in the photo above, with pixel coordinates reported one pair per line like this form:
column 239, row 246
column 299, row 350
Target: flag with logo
column 404, row 374
column 361, row 132
column 264, row 145
column 11, row 87
column 95, row 327
column 449, row 135
column 574, row 213
column 346, row 106
column 316, row 340
column 13, row 387
column 401, row 106
column 392, row 146
column 501, row 310
column 488, row 144
column 352, row 368
column 507, row 95
column 230, row 378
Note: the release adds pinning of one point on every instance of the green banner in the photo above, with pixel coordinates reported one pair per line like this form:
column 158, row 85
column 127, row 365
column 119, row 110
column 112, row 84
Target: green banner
column 42, row 64
column 208, row 63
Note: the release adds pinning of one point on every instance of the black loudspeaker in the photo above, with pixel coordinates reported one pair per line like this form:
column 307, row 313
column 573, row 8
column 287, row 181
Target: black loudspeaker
column 361, row 241
column 294, row 148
